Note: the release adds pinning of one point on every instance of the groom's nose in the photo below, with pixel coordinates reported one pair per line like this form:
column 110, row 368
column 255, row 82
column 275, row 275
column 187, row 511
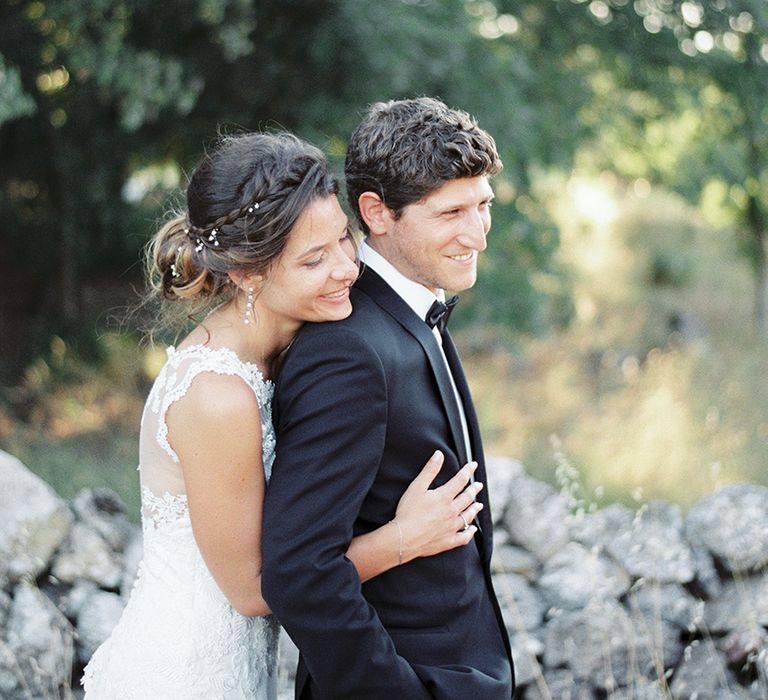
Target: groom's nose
column 475, row 231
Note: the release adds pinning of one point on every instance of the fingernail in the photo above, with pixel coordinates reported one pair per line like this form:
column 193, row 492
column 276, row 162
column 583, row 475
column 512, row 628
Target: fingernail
column 478, row 486
column 473, row 466
column 436, row 453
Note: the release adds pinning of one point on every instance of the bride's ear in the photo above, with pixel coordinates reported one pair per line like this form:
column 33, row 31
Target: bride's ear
column 245, row 281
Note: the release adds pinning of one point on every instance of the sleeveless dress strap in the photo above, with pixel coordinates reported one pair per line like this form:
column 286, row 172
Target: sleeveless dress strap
column 181, row 369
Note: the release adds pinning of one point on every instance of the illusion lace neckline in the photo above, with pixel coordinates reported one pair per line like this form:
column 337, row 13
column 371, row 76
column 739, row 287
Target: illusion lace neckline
column 196, row 348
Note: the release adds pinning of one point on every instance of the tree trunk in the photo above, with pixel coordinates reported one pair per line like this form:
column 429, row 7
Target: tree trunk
column 61, row 201
column 757, row 233
column 68, row 302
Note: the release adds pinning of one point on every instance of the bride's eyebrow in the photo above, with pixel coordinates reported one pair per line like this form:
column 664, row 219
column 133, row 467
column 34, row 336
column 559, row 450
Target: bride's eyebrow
column 311, row 251
column 321, row 246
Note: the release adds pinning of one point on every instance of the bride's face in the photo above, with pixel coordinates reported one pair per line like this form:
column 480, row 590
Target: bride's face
column 311, row 279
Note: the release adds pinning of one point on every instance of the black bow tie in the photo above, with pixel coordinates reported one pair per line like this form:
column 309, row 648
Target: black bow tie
column 439, row 313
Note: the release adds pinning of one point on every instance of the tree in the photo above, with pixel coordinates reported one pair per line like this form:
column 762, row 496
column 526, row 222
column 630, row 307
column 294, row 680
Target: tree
column 678, row 97
column 110, row 102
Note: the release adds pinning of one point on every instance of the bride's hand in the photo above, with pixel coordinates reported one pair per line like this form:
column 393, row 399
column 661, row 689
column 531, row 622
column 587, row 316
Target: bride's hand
column 435, row 520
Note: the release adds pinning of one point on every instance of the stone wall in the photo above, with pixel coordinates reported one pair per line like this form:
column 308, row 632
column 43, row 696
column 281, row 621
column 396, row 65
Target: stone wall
column 609, row 604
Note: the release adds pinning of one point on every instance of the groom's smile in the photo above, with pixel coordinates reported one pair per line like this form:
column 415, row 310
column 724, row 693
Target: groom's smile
column 436, row 241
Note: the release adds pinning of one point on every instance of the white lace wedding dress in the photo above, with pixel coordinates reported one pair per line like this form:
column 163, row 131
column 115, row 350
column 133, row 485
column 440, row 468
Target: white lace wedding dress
column 178, row 637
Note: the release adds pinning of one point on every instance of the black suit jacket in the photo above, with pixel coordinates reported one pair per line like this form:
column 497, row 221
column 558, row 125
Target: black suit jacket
column 360, row 406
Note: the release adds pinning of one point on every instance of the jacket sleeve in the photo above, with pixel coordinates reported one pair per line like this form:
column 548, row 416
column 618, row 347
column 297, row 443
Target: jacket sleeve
column 331, row 408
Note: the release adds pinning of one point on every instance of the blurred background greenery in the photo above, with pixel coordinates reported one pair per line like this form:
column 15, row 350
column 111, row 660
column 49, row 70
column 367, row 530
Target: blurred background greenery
column 619, row 323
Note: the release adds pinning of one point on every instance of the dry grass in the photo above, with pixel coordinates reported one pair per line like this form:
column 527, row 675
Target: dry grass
column 655, row 390
column 641, row 410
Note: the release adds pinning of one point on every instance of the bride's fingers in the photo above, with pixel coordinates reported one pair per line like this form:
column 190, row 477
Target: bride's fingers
column 468, row 515
column 456, row 484
column 428, row 472
column 463, row 537
column 467, row 497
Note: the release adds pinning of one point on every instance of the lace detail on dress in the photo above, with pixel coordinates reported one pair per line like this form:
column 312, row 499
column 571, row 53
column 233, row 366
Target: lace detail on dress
column 179, row 637
column 159, row 511
column 167, row 389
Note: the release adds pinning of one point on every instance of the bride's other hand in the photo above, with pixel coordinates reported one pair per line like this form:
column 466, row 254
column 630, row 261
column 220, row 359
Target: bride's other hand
column 435, row 520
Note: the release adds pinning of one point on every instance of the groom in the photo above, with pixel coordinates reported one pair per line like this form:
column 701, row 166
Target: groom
column 360, row 406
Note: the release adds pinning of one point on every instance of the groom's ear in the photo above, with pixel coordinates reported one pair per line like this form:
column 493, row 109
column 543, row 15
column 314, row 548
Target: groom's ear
column 377, row 215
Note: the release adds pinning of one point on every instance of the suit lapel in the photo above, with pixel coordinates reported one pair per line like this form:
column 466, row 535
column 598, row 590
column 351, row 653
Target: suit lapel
column 392, row 303
column 473, row 425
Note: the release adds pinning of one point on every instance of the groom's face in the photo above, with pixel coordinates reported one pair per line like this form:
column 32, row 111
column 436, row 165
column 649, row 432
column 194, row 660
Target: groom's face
column 437, row 240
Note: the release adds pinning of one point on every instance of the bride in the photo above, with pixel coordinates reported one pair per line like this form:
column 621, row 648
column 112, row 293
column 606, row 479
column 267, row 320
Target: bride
column 265, row 245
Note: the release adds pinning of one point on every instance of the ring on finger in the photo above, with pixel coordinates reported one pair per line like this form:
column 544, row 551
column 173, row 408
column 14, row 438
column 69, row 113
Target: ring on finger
column 466, row 524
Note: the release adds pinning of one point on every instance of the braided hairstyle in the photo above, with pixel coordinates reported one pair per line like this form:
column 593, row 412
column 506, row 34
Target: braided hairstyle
column 243, row 199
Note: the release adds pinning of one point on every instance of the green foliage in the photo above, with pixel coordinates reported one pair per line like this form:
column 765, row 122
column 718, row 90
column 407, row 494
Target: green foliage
column 112, row 95
column 107, row 103
column 14, row 102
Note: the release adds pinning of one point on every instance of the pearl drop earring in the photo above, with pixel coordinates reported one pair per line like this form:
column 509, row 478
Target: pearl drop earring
column 248, row 306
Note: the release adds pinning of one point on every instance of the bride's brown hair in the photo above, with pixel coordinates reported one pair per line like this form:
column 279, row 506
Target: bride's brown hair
column 242, row 201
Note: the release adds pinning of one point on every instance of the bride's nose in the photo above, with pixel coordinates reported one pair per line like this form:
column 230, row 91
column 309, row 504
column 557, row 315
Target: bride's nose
column 344, row 267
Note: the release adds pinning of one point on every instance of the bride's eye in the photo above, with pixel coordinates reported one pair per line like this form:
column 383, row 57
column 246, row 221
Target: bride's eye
column 315, row 262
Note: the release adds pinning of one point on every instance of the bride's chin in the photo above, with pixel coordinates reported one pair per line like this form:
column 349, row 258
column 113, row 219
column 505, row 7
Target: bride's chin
column 336, row 313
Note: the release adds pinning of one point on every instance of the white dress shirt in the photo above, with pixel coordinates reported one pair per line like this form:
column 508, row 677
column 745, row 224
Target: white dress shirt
column 419, row 298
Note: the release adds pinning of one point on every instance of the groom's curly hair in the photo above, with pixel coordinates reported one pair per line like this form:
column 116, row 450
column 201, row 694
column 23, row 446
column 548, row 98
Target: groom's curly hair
column 403, row 150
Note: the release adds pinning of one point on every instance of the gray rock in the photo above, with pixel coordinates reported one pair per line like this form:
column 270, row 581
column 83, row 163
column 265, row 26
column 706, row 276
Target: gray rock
column 98, row 616
column 654, row 548
column 103, row 511
column 707, row 578
column 701, row 673
column 537, row 517
column 71, row 603
column 35, row 521
column 510, row 559
column 500, row 538
column 5, row 609
column 762, row 670
column 641, row 689
column 669, row 602
column 596, row 530
column 527, row 666
column 38, row 656
column 604, row 646
column 501, row 473
column 741, row 646
column 559, row 684
column 742, row 603
column 523, row 605
column 658, row 648
column 732, row 523
column 737, row 692
column 574, row 576
column 601, row 639
column 86, row 555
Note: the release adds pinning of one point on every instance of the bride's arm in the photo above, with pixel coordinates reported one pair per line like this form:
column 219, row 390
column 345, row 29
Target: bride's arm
column 215, row 430
column 427, row 521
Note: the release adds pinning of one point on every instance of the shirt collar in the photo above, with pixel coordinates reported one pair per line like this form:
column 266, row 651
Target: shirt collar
column 416, row 295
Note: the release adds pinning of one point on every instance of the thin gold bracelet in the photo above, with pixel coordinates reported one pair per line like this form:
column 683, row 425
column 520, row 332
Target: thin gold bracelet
column 400, row 532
